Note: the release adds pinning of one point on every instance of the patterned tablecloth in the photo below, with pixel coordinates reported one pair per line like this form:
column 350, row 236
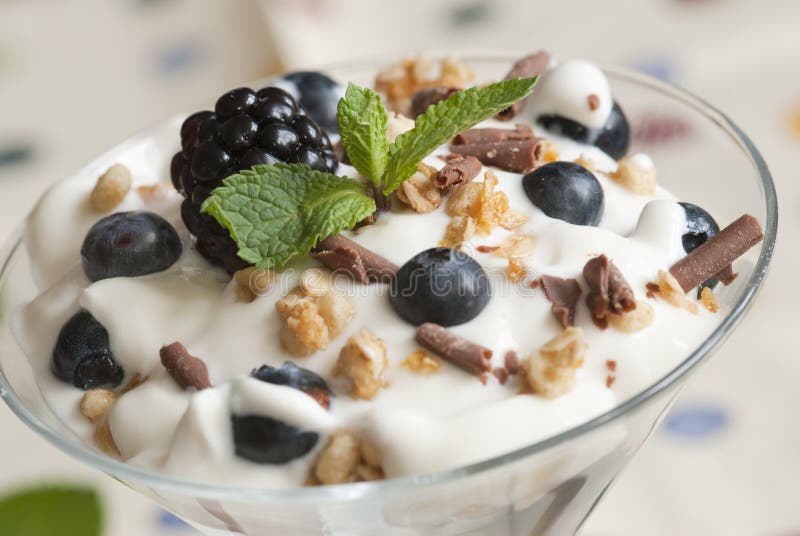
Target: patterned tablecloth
column 725, row 462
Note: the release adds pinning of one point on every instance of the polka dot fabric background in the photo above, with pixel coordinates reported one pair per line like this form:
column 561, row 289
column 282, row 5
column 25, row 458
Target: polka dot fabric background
column 78, row 76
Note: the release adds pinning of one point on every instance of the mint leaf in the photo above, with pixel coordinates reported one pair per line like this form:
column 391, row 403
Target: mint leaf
column 277, row 212
column 62, row 511
column 444, row 120
column 362, row 125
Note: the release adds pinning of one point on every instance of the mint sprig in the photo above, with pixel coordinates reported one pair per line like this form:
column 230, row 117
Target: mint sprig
column 361, row 116
column 46, row 511
column 277, row 212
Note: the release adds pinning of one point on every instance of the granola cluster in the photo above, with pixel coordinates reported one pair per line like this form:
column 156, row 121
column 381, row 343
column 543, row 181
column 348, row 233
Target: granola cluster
column 312, row 317
column 401, row 81
column 111, row 188
column 419, row 192
column 636, row 174
column 363, row 362
column 550, row 372
column 346, row 458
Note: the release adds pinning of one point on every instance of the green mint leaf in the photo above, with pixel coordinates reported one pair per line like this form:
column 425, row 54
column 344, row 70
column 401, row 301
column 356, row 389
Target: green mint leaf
column 59, row 510
column 442, row 121
column 277, row 212
column 362, row 125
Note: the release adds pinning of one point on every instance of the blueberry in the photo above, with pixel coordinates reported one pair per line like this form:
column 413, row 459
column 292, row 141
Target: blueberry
column 266, row 440
column 566, row 191
column 128, row 244
column 319, row 95
column 613, row 137
column 238, row 133
column 700, row 226
column 279, row 140
column 291, row 375
column 82, row 355
column 235, row 102
column 440, row 285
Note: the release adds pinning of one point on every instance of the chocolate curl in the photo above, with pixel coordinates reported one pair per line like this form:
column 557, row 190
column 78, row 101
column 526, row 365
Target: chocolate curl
column 524, row 68
column 493, row 135
column 428, row 96
column 609, row 292
column 518, row 156
column 471, row 357
column 563, row 295
column 458, row 170
column 186, row 369
column 361, row 264
column 714, row 255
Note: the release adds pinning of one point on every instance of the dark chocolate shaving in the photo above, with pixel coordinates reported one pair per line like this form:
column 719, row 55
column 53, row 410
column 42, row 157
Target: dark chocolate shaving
column 428, row 96
column 471, row 357
column 493, row 135
column 609, row 292
column 186, row 369
column 713, row 256
column 518, row 156
column 359, row 263
column 459, row 170
column 563, row 295
column 501, row 374
column 525, row 67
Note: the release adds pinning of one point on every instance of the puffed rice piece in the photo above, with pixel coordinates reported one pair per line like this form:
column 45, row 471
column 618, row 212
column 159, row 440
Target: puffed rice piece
column 422, row 362
column 419, row 192
column 363, row 361
column 550, row 372
column 634, row 320
column 636, row 173
column 671, row 292
column 337, row 310
column 96, row 403
column 111, row 188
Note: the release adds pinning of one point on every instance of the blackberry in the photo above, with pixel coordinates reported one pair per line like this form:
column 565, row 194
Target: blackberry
column 246, row 128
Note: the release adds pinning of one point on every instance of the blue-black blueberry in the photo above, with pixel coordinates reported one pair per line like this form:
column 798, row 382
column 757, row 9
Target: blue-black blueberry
column 128, row 244
column 613, row 137
column 566, row 191
column 440, row 285
column 82, row 355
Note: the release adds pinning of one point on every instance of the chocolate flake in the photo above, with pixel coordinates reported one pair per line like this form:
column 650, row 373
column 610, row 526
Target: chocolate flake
column 471, row 357
column 186, row 369
column 563, row 295
column 459, row 170
column 609, row 292
column 713, row 256
column 429, row 96
column 493, row 135
column 528, row 66
column 361, row 264
column 593, row 101
column 517, row 156
column 487, row 249
column 501, row 374
column 511, row 362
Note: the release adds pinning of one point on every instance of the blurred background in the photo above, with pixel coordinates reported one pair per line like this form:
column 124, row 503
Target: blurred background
column 78, row 76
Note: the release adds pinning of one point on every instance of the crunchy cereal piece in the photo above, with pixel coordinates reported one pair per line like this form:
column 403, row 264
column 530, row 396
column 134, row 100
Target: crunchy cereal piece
column 636, row 173
column 368, row 473
column 111, row 188
column 363, row 361
column 516, row 270
column 315, row 282
column 96, row 403
column 588, row 163
column 339, row 459
column 396, row 124
column 252, row 282
column 105, row 441
column 493, row 208
column 370, row 453
column 304, row 331
column 464, row 200
column 459, row 230
column 152, row 192
column 709, row 300
column 633, row 320
column 402, row 80
column 419, row 192
column 422, row 362
column 668, row 288
column 516, row 245
column 135, row 382
column 550, row 372
column 337, row 310
column 549, row 152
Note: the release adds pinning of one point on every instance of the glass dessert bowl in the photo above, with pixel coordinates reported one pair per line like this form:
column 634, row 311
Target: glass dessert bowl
column 548, row 487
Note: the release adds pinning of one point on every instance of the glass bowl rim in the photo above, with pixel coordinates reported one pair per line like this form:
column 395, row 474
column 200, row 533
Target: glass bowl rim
column 131, row 474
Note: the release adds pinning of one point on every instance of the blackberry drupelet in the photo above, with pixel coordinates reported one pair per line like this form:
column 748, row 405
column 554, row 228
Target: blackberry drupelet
column 246, row 128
